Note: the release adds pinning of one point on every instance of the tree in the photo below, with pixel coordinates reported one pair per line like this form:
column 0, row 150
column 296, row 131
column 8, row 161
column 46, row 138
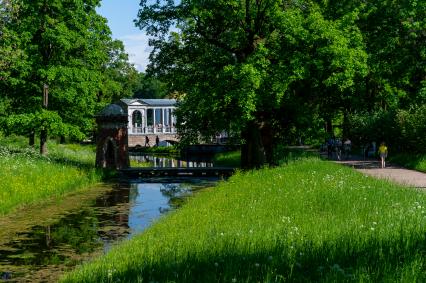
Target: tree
column 68, row 48
column 238, row 63
column 395, row 37
column 12, row 57
column 149, row 88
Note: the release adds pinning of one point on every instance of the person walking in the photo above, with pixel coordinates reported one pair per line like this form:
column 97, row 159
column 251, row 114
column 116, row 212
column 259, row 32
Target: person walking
column 383, row 153
column 347, row 146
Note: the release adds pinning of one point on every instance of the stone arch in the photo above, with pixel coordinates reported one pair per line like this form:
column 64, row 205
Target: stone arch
column 112, row 138
column 109, row 153
column 137, row 119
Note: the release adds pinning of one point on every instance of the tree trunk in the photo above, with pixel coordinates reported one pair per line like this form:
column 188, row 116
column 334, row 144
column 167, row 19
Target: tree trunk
column 329, row 127
column 268, row 142
column 31, row 138
column 252, row 151
column 43, row 142
column 345, row 126
column 62, row 139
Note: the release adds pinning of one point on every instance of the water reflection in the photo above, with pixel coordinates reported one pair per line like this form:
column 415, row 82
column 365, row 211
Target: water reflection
column 44, row 251
column 175, row 162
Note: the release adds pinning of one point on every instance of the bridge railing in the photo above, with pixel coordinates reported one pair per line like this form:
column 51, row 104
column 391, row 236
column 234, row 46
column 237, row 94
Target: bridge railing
column 153, row 130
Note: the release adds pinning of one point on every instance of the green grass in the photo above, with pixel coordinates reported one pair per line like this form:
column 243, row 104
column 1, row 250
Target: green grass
column 159, row 150
column 228, row 159
column 412, row 161
column 26, row 177
column 140, row 164
column 308, row 221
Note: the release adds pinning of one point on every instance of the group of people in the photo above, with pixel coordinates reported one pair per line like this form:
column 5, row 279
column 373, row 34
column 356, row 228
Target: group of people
column 157, row 141
column 335, row 148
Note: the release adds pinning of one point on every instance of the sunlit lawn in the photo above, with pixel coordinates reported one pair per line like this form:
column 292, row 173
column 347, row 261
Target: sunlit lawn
column 27, row 177
column 308, row 221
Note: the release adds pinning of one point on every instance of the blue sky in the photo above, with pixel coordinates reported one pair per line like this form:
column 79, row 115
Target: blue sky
column 120, row 15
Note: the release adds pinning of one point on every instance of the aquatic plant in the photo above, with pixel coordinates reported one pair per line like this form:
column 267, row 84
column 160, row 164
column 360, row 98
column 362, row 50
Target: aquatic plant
column 307, row 221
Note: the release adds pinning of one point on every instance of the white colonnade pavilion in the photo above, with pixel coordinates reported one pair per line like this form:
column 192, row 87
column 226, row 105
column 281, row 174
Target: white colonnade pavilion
column 150, row 116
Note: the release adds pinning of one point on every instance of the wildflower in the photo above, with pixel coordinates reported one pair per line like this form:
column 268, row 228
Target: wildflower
column 256, row 264
column 216, row 264
column 270, row 258
column 234, row 280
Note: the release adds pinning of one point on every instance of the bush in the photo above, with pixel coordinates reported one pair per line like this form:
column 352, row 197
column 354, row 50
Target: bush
column 402, row 130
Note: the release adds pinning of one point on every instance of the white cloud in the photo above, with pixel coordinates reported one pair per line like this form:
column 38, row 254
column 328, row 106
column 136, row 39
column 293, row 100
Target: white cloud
column 137, row 47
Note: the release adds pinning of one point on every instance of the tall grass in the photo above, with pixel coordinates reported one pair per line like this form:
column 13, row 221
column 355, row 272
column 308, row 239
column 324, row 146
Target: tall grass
column 308, row 221
column 26, row 177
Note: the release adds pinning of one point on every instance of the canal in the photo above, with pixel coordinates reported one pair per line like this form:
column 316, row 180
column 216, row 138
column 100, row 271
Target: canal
column 39, row 243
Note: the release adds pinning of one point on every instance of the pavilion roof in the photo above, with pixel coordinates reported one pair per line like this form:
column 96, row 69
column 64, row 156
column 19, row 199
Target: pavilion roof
column 149, row 102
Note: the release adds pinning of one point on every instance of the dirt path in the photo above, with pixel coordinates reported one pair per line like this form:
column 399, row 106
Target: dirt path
column 394, row 173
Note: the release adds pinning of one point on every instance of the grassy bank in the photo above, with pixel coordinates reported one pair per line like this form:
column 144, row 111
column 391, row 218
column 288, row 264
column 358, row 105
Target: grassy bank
column 412, row 161
column 26, row 177
column 308, row 221
column 228, row 159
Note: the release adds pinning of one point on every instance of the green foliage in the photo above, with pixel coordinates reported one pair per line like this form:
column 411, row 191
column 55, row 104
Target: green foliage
column 404, row 130
column 395, row 38
column 412, row 161
column 238, row 65
column 308, row 221
column 147, row 87
column 66, row 46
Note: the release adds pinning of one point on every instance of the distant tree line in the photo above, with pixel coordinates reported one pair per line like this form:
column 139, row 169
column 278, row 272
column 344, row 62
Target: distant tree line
column 271, row 71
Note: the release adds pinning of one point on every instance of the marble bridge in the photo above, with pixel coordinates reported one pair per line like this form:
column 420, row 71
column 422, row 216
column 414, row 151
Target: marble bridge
column 150, row 121
column 133, row 123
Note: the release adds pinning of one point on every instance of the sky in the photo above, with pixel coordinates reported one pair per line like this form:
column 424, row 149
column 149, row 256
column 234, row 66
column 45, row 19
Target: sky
column 120, row 15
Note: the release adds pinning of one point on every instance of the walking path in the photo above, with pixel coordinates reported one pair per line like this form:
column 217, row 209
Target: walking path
column 394, row 173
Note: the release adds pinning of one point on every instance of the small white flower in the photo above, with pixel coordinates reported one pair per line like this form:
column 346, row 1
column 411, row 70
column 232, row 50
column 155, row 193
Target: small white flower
column 216, row 264
column 256, row 264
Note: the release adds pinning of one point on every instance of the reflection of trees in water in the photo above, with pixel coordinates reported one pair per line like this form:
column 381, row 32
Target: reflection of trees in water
column 176, row 193
column 53, row 244
column 133, row 193
column 74, row 235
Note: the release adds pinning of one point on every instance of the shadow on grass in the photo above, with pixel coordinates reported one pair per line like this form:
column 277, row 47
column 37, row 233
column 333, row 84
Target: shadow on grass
column 338, row 261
